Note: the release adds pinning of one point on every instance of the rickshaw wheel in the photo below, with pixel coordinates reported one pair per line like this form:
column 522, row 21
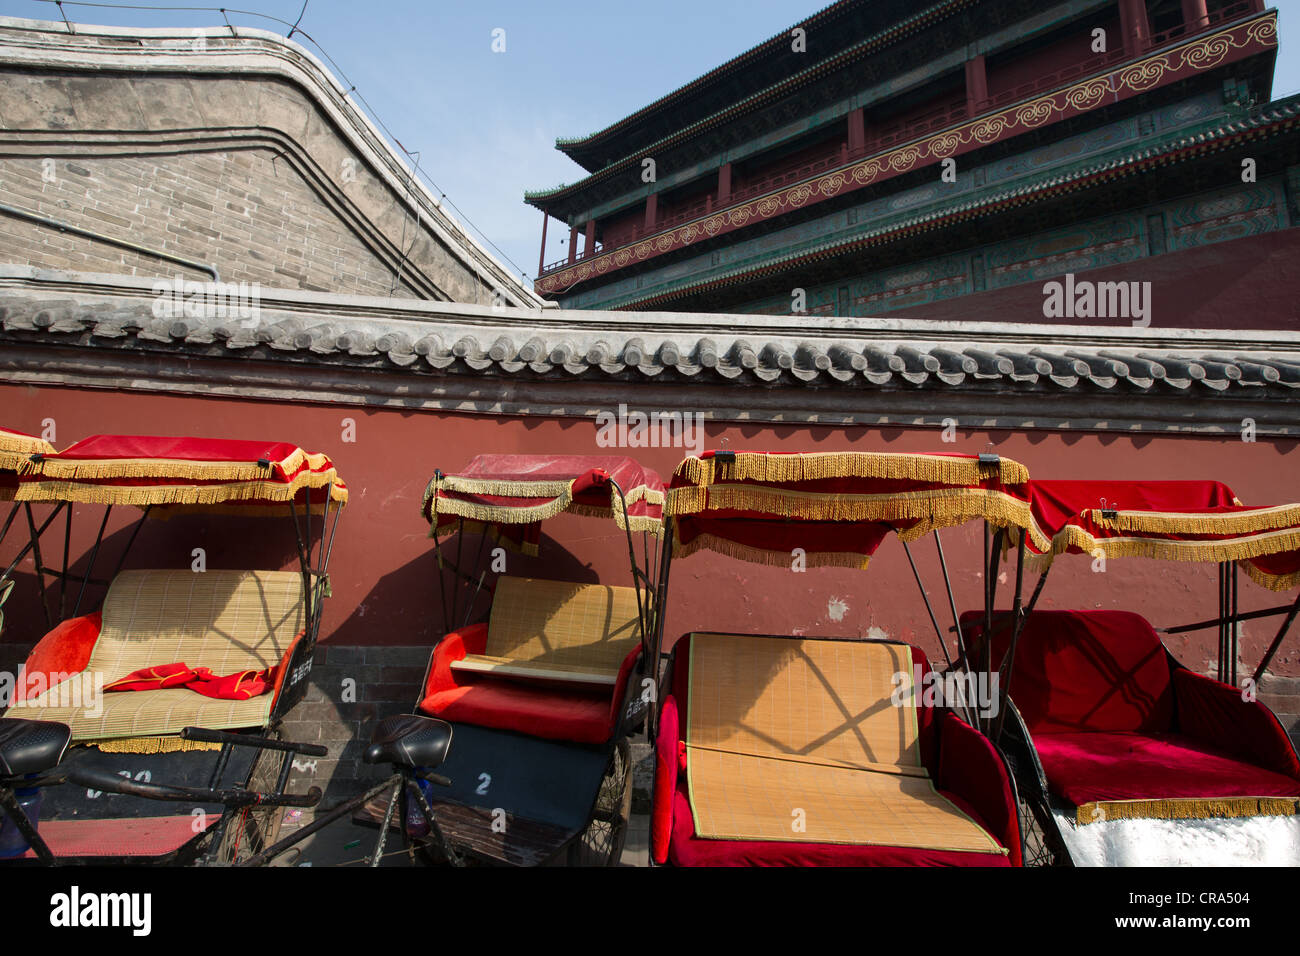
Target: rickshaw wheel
column 255, row 828
column 601, row 844
column 1040, row 844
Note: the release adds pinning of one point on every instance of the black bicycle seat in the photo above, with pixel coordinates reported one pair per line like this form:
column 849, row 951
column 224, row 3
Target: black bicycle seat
column 409, row 740
column 31, row 746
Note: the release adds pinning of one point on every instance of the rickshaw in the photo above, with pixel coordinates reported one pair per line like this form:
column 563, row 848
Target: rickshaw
column 540, row 681
column 774, row 749
column 173, row 661
column 1122, row 754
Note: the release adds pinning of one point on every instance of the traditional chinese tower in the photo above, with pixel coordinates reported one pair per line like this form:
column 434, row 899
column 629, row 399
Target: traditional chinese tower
column 949, row 161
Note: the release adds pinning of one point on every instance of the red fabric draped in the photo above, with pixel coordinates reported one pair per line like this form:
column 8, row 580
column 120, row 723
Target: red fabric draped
column 180, row 472
column 241, row 685
column 513, row 494
column 1057, row 503
column 759, row 506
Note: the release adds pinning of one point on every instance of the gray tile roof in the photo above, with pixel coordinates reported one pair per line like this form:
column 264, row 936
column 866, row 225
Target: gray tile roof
column 446, row 339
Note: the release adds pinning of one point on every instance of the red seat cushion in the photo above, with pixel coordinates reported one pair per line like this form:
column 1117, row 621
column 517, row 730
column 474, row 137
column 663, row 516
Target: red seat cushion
column 1090, row 767
column 1087, row 670
column 540, row 710
column 686, row 849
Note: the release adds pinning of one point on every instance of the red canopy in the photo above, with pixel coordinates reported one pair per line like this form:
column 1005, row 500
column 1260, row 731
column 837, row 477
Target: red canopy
column 836, row 506
column 180, row 473
column 515, row 493
column 1171, row 521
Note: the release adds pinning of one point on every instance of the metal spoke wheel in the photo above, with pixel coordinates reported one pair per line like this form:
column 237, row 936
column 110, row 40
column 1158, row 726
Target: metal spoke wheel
column 601, row 844
column 252, row 829
column 1042, row 844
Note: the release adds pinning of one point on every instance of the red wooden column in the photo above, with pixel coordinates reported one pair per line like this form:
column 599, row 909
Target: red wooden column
column 541, row 256
column 573, row 244
column 857, row 131
column 651, row 211
column 724, row 184
column 1134, row 26
column 1195, row 15
column 589, row 244
column 977, row 84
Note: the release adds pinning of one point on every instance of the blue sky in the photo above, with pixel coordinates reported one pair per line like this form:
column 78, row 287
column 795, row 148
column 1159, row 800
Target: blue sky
column 485, row 123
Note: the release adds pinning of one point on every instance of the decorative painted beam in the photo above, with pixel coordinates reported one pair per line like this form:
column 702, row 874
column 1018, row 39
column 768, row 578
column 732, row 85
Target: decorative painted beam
column 1124, row 82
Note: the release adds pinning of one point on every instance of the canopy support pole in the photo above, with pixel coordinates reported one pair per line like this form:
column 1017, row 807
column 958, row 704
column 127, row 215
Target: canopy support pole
column 33, row 540
column 63, row 578
column 661, row 588
column 36, row 552
column 1232, row 625
column 952, row 601
column 129, row 542
column 934, row 621
column 478, row 586
column 90, row 566
column 1017, row 625
column 1277, row 641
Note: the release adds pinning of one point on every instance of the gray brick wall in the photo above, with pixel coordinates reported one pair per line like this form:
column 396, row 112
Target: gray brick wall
column 247, row 211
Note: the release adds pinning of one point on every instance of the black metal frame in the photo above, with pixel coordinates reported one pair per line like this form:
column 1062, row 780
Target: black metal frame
column 204, row 846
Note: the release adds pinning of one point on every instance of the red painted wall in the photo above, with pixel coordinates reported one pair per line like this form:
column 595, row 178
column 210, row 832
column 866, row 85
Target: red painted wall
column 383, row 572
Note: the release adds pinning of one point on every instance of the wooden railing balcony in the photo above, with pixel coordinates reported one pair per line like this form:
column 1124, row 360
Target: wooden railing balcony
column 891, row 134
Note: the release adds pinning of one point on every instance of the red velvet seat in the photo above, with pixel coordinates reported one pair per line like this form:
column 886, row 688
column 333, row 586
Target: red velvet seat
column 1087, row 768
column 1114, row 718
column 964, row 766
column 555, row 712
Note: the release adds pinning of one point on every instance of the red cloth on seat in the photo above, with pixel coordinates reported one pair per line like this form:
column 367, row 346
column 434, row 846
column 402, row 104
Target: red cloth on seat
column 1088, row 767
column 553, row 712
column 241, row 685
column 1086, row 670
column 64, row 650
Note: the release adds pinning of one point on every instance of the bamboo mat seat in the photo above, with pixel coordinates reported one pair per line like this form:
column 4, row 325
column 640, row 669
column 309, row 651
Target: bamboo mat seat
column 557, row 631
column 799, row 740
column 227, row 621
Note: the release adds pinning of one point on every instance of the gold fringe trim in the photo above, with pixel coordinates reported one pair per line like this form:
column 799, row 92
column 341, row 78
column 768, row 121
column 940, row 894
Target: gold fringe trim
column 1274, row 582
column 562, row 501
column 149, row 745
column 1159, row 522
column 506, row 488
column 1186, row 809
column 141, row 495
column 71, row 468
column 1169, row 549
column 933, row 508
column 782, row 559
column 812, row 466
column 15, row 449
